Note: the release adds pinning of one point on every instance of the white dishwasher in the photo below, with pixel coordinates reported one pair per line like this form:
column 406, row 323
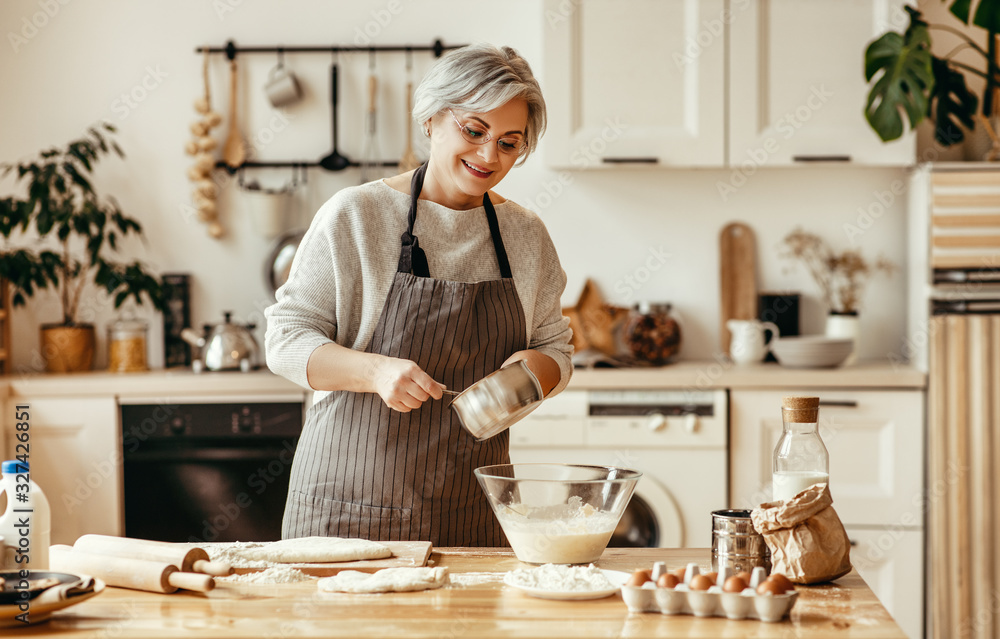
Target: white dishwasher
column 676, row 438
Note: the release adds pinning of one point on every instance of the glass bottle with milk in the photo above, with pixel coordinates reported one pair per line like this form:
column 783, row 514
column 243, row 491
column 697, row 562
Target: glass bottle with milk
column 800, row 458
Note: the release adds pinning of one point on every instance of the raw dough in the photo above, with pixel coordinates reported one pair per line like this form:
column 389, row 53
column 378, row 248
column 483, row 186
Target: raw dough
column 304, row 550
column 387, row 580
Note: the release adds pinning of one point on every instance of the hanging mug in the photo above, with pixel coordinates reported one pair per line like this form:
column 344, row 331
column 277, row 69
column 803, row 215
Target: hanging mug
column 282, row 87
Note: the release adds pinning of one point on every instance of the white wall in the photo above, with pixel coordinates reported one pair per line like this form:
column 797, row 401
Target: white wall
column 74, row 69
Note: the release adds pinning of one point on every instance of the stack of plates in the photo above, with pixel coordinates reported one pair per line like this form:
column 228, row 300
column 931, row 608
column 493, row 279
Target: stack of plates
column 811, row 351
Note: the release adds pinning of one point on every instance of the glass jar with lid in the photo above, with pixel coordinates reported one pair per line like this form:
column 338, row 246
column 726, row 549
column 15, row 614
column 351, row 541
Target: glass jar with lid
column 127, row 346
column 800, row 458
column 652, row 335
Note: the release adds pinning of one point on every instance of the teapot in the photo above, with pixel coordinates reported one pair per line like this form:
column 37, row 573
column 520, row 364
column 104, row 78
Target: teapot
column 225, row 346
column 748, row 345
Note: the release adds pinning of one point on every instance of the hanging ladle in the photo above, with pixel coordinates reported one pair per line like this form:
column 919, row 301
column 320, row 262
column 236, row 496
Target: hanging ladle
column 334, row 161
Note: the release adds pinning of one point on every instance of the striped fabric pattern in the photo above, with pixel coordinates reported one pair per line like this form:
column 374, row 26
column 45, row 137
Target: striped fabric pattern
column 364, row 470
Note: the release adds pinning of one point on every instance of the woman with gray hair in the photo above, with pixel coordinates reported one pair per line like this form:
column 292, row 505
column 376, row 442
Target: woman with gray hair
column 408, row 286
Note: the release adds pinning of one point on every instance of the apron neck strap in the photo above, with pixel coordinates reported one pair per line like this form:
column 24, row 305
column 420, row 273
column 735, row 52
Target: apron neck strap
column 412, row 258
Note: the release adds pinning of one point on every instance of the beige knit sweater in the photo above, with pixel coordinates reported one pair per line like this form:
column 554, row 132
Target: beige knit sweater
column 346, row 262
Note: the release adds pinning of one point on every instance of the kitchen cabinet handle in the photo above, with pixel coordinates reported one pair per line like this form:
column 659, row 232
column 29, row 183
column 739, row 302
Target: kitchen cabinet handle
column 631, row 160
column 840, row 403
column 821, row 158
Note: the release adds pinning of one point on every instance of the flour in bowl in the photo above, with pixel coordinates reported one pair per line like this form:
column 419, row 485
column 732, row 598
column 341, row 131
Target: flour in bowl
column 570, row 533
column 558, row 578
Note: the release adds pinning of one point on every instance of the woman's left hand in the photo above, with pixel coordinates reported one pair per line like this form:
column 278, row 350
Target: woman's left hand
column 543, row 366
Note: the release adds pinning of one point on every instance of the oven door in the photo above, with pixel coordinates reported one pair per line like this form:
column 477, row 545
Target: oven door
column 195, row 494
column 209, row 472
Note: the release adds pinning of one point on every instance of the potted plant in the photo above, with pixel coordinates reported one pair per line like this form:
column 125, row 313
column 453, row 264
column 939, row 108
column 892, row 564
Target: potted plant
column 79, row 232
column 908, row 80
column 841, row 277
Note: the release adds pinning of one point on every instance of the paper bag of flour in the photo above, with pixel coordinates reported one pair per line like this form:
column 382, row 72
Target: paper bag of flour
column 807, row 540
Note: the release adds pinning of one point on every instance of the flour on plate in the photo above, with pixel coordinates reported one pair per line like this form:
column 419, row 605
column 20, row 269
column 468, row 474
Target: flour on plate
column 559, row 578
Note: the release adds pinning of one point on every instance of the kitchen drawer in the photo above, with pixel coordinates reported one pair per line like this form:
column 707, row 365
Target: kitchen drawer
column 875, row 439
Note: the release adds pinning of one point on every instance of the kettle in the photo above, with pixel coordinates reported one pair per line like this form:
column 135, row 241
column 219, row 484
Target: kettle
column 225, row 346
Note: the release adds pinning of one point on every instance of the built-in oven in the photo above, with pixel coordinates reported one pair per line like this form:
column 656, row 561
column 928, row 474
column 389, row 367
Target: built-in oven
column 198, row 470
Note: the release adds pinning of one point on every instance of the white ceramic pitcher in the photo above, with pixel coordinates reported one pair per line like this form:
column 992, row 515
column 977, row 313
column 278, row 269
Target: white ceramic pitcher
column 748, row 344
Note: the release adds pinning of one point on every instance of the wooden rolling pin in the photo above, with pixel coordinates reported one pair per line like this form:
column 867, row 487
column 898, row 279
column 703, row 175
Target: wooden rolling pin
column 126, row 572
column 186, row 559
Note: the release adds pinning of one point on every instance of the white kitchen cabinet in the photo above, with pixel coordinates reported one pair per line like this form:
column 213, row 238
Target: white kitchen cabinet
column 75, row 457
column 875, row 439
column 796, row 93
column 884, row 559
column 620, row 88
column 713, row 83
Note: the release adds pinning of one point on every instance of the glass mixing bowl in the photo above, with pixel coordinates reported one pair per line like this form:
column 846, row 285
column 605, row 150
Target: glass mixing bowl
column 557, row 513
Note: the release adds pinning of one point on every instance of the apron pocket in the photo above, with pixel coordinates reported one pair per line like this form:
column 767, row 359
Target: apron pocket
column 315, row 515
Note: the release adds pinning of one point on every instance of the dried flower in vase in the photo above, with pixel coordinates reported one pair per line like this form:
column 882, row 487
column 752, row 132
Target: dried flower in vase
column 841, row 276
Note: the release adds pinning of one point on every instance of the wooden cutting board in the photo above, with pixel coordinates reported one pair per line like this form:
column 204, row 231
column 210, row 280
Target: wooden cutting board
column 405, row 554
column 737, row 277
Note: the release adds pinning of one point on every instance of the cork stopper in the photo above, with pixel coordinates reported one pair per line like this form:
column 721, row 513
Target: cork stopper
column 800, row 410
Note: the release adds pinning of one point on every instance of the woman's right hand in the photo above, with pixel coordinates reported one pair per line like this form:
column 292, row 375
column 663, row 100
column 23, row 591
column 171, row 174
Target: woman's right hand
column 403, row 385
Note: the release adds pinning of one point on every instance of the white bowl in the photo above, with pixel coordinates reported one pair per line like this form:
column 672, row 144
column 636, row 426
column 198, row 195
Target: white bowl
column 811, row 351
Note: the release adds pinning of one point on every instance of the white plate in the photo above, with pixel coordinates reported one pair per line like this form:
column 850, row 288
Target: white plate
column 616, row 577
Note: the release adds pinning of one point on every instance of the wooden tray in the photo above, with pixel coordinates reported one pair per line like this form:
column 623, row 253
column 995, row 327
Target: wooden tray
column 405, row 554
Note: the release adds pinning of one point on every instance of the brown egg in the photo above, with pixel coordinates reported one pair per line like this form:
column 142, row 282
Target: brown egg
column 679, row 573
column 734, row 584
column 638, row 578
column 701, row 582
column 770, row 587
column 783, row 581
column 746, row 577
column 667, row 580
column 714, row 576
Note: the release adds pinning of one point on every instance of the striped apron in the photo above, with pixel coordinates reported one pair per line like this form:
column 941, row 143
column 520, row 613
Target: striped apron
column 364, row 470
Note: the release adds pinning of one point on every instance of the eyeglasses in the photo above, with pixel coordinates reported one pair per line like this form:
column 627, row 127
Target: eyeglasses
column 475, row 134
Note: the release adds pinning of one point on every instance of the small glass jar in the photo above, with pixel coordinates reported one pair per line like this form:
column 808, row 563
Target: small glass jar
column 127, row 346
column 652, row 335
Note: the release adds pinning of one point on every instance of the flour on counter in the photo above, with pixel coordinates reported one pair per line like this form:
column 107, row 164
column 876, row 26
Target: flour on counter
column 466, row 579
column 234, row 554
column 273, row 575
column 559, row 578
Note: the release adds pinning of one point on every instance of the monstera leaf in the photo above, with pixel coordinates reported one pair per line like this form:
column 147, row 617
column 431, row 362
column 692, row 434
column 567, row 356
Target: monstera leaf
column 987, row 13
column 906, row 81
column 952, row 103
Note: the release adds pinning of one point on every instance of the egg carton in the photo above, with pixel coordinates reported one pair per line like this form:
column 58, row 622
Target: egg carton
column 681, row 600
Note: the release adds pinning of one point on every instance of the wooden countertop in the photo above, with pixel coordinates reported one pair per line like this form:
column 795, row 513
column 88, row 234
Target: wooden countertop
column 477, row 606
column 177, row 382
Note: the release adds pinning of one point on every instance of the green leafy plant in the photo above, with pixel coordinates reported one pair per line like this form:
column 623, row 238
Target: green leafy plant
column 907, row 80
column 61, row 203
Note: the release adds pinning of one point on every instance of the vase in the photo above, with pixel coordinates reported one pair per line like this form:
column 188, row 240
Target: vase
column 845, row 325
column 68, row 349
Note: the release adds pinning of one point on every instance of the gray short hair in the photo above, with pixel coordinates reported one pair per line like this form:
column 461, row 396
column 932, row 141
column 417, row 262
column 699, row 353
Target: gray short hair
column 480, row 78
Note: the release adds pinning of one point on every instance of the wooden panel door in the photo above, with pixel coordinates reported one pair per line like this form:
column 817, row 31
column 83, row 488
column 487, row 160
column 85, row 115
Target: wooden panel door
column 634, row 82
column 875, row 440
column 797, row 89
column 75, row 458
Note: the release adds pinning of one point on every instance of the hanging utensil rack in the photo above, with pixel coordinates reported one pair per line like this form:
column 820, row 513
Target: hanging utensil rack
column 231, row 50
